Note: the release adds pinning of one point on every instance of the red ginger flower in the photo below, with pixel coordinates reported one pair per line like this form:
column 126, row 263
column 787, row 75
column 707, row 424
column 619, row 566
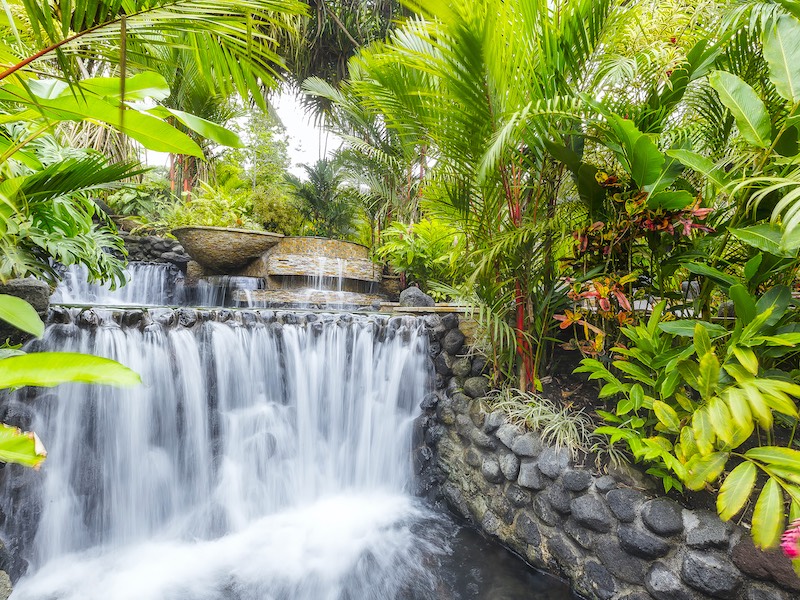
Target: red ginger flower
column 790, row 540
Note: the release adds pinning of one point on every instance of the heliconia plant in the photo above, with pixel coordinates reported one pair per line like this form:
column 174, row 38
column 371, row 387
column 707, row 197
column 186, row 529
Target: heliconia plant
column 691, row 395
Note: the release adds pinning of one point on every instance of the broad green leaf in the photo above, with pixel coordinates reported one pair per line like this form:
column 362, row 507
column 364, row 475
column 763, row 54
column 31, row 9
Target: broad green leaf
column 207, row 129
column 735, row 490
column 137, row 87
column 703, row 432
column 747, row 358
column 47, row 369
column 667, row 415
column 739, row 408
column 744, row 302
column 704, row 469
column 686, row 327
column 635, row 371
column 702, row 165
column 721, row 420
column 670, row 384
column 781, row 49
column 778, row 298
column 628, row 136
column 637, row 396
column 672, row 200
column 152, row 133
column 646, row 162
column 19, row 447
column 708, row 375
column 752, row 265
column 21, row 315
column 747, row 109
column 714, row 274
column 768, row 516
column 765, row 237
column 794, row 512
column 776, row 455
column 702, row 341
column 688, row 442
column 758, row 406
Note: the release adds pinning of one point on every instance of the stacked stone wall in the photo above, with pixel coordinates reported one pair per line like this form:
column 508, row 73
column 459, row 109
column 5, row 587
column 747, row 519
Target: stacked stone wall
column 611, row 541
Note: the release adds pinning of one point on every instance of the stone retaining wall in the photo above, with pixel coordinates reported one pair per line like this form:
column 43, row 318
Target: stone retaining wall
column 611, row 541
column 155, row 249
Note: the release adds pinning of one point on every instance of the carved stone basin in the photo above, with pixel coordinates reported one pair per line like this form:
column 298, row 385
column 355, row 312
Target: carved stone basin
column 222, row 249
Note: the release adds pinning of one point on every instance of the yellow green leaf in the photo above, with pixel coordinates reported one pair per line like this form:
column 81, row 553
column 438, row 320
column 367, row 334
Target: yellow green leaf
column 704, row 469
column 703, row 432
column 747, row 358
column 735, row 490
column 47, row 369
column 768, row 516
column 721, row 419
column 20, row 447
column 667, row 415
column 21, row 315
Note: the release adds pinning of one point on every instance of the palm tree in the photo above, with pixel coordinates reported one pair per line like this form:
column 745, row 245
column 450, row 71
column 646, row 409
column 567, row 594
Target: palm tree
column 476, row 88
column 325, row 202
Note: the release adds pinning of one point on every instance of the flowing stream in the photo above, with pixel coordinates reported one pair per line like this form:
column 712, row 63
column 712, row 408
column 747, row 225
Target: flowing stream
column 261, row 459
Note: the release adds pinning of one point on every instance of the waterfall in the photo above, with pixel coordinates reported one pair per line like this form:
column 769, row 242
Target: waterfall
column 266, row 456
column 238, row 438
column 149, row 284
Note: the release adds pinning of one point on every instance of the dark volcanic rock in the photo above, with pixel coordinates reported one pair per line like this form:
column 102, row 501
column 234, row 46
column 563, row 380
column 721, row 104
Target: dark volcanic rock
column 624, row 502
column 415, row 297
column 528, row 445
column 705, row 529
column 527, row 530
column 663, row 516
column 490, row 469
column 517, row 496
column 552, row 462
column 494, row 420
column 509, row 465
column 619, row 563
column 450, row 321
column 663, row 584
column 757, row 591
column 530, row 477
column 711, row 573
column 564, row 551
column 453, row 342
column 605, row 483
column 559, row 498
column 576, row 481
column 544, row 511
column 600, row 580
column 580, row 534
column 639, row 542
column 590, row 511
column 476, row 387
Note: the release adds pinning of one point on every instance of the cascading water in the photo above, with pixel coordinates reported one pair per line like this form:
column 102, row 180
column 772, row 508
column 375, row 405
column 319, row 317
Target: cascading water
column 266, row 457
column 149, row 284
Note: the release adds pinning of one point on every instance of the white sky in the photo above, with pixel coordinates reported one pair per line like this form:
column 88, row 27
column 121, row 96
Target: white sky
column 307, row 143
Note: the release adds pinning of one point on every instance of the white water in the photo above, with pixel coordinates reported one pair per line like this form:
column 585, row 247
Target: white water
column 148, row 284
column 252, row 463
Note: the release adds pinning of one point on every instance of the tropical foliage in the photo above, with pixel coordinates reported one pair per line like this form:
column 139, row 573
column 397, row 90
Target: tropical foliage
column 608, row 170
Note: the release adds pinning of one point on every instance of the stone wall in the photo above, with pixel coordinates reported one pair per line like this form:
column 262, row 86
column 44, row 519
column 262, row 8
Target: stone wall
column 611, row 541
column 155, row 249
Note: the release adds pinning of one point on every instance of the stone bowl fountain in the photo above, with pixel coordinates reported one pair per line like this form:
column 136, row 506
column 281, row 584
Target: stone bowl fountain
column 224, row 250
column 310, row 271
